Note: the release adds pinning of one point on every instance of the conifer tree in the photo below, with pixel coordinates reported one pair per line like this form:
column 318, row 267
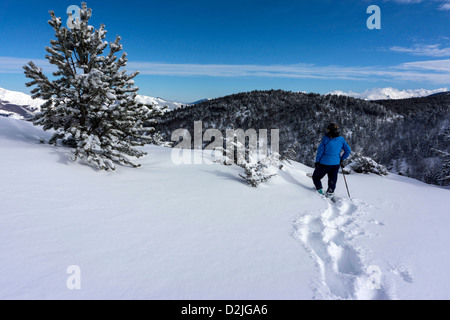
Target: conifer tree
column 257, row 172
column 444, row 155
column 90, row 100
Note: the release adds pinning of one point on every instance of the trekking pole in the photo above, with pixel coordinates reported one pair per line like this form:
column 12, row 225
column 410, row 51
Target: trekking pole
column 342, row 166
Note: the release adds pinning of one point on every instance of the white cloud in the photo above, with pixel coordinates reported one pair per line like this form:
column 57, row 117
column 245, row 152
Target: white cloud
column 445, row 6
column 442, row 66
column 433, row 50
column 14, row 65
column 406, row 1
column 435, row 71
column 389, row 93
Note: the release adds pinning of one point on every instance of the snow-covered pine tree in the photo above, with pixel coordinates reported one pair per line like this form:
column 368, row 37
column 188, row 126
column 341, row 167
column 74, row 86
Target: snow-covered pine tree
column 290, row 154
column 91, row 101
column 444, row 155
column 362, row 164
column 256, row 172
column 446, row 161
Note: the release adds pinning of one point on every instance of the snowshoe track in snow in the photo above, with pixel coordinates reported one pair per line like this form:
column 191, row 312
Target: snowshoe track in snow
column 327, row 238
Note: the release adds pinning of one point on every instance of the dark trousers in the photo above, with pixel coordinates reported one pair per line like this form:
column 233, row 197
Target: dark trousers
column 321, row 171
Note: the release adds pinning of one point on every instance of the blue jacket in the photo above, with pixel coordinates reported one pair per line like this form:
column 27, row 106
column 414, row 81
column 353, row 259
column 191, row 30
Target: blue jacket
column 329, row 152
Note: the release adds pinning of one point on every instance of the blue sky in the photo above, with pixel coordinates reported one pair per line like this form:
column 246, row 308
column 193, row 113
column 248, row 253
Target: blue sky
column 188, row 50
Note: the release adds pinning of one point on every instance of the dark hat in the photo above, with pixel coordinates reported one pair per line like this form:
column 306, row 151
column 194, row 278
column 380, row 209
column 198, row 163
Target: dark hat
column 333, row 127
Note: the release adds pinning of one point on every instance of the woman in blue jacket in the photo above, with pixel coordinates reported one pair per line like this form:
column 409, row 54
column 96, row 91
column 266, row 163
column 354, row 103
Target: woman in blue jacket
column 329, row 158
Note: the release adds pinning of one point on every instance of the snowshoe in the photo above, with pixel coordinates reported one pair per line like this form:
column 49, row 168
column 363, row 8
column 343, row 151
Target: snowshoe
column 330, row 195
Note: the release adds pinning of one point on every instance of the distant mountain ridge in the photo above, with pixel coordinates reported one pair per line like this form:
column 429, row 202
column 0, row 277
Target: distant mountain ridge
column 160, row 102
column 390, row 93
column 20, row 99
column 200, row 101
column 404, row 134
column 445, row 93
column 20, row 105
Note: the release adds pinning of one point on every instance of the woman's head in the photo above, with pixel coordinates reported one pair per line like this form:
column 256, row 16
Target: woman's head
column 333, row 130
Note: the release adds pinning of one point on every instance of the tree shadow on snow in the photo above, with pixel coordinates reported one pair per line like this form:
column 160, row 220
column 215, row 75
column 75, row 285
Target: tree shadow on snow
column 65, row 156
column 289, row 178
column 228, row 176
column 17, row 130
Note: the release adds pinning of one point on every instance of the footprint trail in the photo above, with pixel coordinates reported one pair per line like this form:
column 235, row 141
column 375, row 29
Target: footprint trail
column 342, row 274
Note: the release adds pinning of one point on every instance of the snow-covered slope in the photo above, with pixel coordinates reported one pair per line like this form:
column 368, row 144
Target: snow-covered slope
column 19, row 98
column 159, row 102
column 389, row 93
column 15, row 104
column 167, row 231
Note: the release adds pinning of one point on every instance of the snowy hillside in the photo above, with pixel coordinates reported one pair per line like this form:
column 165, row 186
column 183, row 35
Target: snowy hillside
column 167, row 231
column 159, row 102
column 390, row 93
column 20, row 98
column 388, row 131
column 16, row 105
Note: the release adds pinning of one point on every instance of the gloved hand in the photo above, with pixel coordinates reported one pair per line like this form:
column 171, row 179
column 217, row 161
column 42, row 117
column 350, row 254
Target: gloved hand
column 342, row 163
column 317, row 165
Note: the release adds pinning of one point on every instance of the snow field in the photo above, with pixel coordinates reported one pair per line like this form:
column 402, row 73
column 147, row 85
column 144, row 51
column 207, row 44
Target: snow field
column 167, row 231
